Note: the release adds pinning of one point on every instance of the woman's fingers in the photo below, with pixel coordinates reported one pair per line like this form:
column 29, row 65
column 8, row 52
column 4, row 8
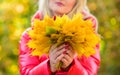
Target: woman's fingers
column 70, row 52
column 58, row 53
column 58, row 59
column 68, row 58
column 60, row 47
column 52, row 48
column 65, row 63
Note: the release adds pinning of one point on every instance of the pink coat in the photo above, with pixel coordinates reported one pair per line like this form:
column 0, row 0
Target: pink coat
column 35, row 65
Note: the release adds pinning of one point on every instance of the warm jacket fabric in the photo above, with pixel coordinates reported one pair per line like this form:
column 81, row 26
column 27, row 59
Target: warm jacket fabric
column 35, row 65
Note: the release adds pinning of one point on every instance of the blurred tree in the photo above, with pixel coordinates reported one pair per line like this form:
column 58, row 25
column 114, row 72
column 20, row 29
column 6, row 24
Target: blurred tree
column 107, row 13
column 15, row 17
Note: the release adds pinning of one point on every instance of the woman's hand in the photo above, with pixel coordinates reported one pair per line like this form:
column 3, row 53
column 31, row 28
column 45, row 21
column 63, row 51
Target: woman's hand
column 55, row 55
column 68, row 57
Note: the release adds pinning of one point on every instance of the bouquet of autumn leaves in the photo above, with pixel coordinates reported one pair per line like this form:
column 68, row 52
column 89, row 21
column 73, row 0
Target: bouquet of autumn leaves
column 79, row 33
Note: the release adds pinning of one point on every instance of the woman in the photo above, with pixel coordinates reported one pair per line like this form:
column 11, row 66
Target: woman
column 46, row 65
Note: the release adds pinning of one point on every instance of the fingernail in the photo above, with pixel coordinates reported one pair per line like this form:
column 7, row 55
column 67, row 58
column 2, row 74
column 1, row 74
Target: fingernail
column 64, row 52
column 66, row 47
column 66, row 43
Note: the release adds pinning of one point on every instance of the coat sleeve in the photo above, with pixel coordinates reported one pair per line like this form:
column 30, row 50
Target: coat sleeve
column 31, row 65
column 84, row 65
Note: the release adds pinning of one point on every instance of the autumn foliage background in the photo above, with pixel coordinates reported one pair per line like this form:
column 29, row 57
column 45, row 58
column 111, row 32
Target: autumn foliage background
column 15, row 17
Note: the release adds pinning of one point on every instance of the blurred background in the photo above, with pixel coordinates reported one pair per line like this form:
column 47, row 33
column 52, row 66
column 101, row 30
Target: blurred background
column 15, row 17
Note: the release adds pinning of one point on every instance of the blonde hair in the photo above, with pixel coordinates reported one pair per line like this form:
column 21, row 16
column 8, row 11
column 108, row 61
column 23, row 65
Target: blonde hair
column 79, row 7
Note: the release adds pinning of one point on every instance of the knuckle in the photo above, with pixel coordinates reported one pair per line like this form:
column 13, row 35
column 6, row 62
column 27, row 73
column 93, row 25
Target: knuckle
column 58, row 59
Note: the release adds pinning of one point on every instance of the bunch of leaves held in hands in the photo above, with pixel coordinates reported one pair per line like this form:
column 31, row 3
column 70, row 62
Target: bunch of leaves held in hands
column 79, row 33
